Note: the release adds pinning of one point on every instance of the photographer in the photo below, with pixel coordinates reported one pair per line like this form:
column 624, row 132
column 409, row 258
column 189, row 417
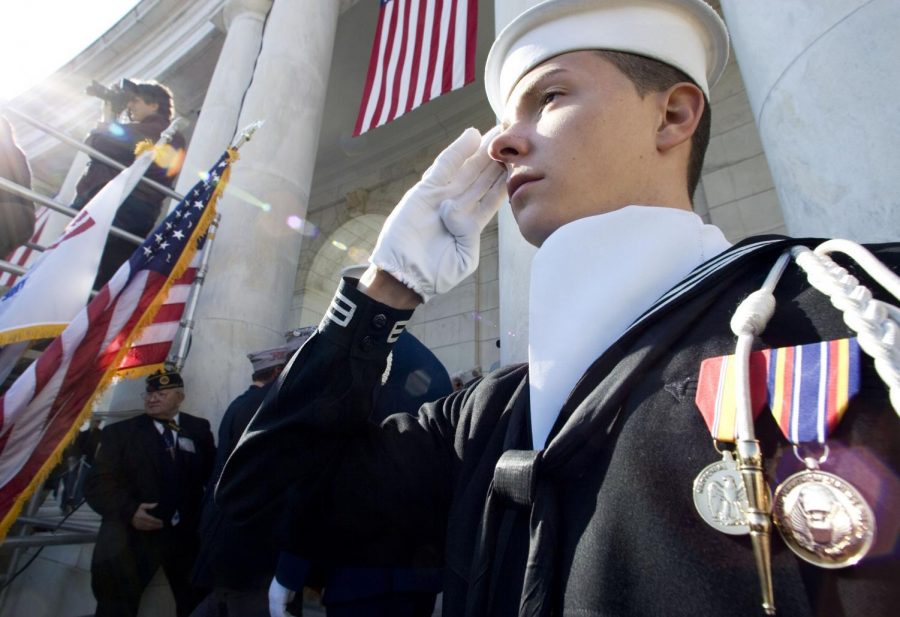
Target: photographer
column 149, row 107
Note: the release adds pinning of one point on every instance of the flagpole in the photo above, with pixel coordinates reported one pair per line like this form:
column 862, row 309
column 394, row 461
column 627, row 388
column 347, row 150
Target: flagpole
column 186, row 325
column 247, row 134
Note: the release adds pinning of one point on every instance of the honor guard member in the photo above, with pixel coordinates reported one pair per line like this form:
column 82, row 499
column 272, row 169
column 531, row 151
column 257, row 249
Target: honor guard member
column 147, row 483
column 566, row 486
column 356, row 586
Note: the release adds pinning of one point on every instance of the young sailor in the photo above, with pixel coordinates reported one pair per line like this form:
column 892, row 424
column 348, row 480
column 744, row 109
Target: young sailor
column 567, row 486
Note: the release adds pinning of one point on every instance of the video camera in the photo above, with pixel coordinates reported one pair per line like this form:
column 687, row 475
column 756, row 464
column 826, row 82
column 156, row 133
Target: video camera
column 118, row 95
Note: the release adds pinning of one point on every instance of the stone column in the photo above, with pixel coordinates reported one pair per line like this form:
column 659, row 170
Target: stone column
column 818, row 80
column 218, row 121
column 243, row 21
column 246, row 301
column 515, row 253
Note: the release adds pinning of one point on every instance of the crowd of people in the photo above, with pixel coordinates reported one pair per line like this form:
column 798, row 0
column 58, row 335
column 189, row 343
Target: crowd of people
column 152, row 479
column 564, row 486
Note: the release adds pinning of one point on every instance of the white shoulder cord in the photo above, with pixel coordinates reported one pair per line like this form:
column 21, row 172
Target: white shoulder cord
column 749, row 320
column 877, row 325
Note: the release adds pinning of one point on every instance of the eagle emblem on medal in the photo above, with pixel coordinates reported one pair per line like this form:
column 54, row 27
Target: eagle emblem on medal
column 720, row 497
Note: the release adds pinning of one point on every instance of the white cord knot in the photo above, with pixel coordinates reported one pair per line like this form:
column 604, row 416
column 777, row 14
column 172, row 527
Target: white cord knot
column 753, row 313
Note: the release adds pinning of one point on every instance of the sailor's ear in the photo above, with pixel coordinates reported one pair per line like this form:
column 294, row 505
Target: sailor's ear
column 681, row 108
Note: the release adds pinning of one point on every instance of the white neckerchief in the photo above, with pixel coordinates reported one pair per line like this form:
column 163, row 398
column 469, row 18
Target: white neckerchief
column 590, row 280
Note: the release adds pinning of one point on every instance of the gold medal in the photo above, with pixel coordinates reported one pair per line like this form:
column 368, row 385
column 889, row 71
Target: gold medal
column 823, row 519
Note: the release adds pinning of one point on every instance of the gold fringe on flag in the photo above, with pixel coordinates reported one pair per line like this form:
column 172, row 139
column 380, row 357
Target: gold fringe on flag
column 28, row 333
column 136, row 372
column 146, row 319
column 143, row 146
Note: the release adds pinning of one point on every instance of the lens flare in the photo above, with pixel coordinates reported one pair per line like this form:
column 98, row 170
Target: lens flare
column 358, row 255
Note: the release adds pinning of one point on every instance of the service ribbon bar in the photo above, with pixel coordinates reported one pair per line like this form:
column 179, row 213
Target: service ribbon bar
column 810, row 386
column 715, row 393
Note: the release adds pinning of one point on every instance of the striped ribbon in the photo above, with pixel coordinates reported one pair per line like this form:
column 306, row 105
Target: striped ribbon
column 810, row 385
column 715, row 393
column 807, row 388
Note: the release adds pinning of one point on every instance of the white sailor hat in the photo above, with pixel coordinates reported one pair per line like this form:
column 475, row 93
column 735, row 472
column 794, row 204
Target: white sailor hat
column 685, row 34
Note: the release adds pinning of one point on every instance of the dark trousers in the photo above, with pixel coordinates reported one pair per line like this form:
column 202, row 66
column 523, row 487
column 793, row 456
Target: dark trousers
column 119, row 583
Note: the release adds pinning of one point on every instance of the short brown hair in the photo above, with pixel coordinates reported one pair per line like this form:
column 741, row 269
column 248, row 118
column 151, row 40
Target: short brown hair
column 649, row 75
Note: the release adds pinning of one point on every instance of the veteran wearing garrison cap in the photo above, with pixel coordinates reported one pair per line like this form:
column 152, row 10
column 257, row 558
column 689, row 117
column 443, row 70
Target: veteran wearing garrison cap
column 569, row 485
column 147, row 483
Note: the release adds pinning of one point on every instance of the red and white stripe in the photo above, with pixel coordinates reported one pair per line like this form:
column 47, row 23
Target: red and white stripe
column 422, row 49
column 44, row 403
column 152, row 346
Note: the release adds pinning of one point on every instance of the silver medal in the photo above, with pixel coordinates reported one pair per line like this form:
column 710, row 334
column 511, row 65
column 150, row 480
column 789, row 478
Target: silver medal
column 720, row 496
column 823, row 519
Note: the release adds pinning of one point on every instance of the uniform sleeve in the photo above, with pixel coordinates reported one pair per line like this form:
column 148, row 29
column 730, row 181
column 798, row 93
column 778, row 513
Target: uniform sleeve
column 353, row 480
column 104, row 488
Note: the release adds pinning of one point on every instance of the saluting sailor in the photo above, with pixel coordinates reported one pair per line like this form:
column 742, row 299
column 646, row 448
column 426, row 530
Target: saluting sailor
column 567, row 486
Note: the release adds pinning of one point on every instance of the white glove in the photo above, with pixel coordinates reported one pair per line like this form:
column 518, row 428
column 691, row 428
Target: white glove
column 430, row 240
column 279, row 596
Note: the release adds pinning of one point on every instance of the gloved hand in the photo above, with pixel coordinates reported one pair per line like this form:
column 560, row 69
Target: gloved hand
column 430, row 240
column 279, row 597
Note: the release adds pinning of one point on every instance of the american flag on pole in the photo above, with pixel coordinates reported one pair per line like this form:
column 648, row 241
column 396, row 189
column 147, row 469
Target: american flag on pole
column 422, row 49
column 43, row 409
column 148, row 353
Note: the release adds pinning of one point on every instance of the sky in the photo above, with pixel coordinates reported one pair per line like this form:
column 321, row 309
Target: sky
column 39, row 36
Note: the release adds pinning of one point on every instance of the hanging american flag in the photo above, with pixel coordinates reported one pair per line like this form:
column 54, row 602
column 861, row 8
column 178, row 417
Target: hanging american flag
column 422, row 49
column 43, row 409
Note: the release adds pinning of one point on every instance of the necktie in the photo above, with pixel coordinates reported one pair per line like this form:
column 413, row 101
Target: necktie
column 169, row 439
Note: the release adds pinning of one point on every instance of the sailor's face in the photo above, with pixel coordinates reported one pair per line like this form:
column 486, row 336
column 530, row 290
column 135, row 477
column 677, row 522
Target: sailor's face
column 576, row 141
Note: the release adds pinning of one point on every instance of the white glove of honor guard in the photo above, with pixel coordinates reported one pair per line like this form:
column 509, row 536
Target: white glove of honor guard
column 279, row 596
column 430, row 240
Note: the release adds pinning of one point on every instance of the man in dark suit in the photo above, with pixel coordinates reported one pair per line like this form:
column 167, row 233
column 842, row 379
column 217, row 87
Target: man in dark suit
column 147, row 483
